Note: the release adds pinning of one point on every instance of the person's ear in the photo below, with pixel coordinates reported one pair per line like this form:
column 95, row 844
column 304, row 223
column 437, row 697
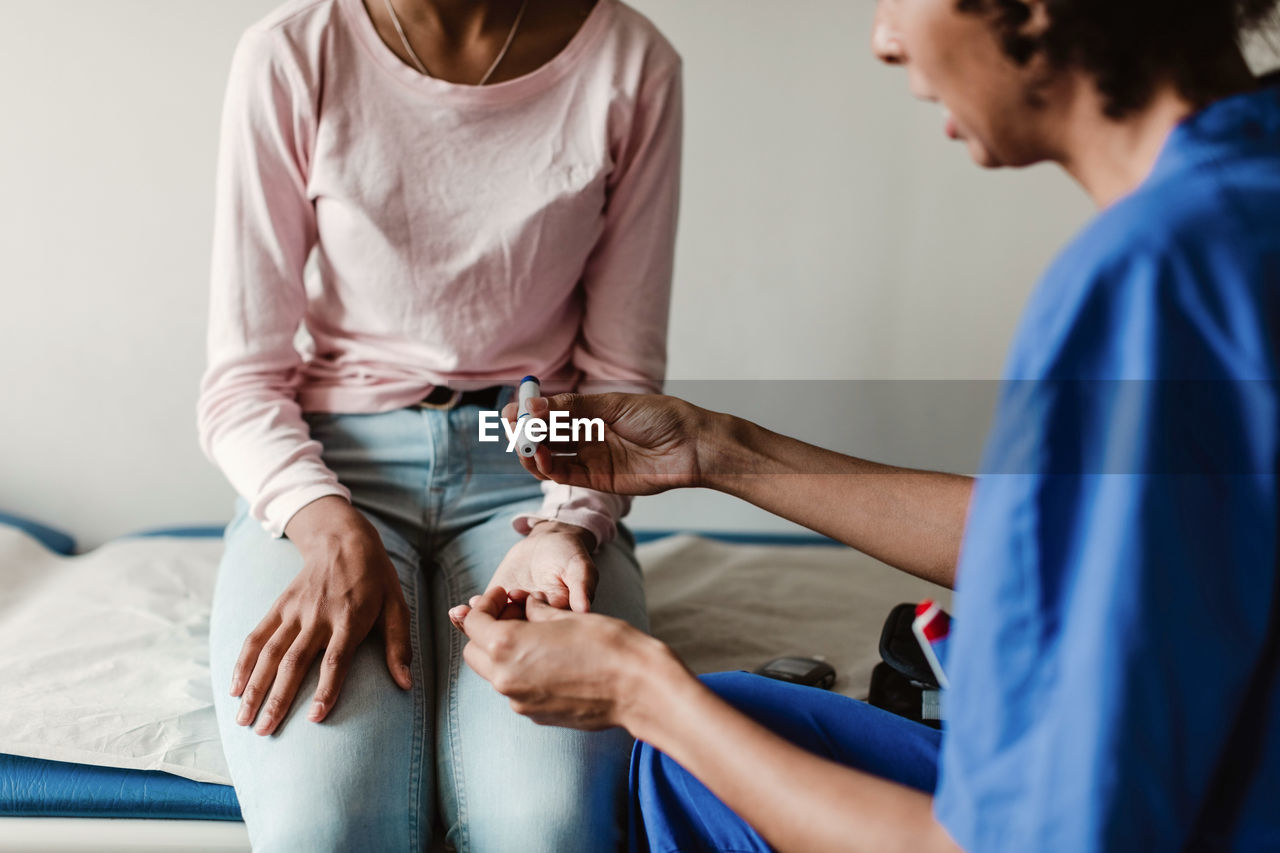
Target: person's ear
column 1038, row 22
column 1026, row 46
column 1025, row 43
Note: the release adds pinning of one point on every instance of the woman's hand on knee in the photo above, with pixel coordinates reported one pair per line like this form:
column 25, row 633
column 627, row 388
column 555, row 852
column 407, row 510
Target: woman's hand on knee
column 553, row 560
column 346, row 588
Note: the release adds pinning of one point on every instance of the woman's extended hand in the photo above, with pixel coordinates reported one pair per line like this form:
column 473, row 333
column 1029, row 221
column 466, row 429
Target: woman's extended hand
column 554, row 561
column 579, row 670
column 651, row 443
column 347, row 586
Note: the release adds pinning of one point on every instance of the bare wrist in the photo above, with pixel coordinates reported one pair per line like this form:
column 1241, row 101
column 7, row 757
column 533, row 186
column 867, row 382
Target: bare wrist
column 551, row 526
column 650, row 687
column 329, row 519
column 722, row 450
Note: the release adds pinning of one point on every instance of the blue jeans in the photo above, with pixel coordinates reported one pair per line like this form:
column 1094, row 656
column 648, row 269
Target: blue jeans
column 672, row 812
column 389, row 766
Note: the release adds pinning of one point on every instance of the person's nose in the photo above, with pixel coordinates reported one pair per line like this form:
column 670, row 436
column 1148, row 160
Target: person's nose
column 886, row 41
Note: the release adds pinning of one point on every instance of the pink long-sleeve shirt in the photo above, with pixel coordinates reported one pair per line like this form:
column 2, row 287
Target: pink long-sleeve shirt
column 427, row 233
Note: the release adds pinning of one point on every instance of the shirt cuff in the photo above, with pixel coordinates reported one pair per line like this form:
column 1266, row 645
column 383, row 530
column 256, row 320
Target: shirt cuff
column 596, row 512
column 276, row 513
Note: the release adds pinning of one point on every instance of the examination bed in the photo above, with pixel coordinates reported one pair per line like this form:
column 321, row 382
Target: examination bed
column 107, row 735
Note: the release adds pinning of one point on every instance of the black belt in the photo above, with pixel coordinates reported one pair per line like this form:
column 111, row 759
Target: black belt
column 451, row 398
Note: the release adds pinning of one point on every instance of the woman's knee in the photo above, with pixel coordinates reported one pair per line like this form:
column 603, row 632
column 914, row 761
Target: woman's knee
column 567, row 792
column 572, row 828
column 353, row 823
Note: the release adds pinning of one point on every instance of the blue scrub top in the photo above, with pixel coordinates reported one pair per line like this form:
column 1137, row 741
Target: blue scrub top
column 1118, row 577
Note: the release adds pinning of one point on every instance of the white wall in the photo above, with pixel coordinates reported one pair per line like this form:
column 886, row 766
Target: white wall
column 829, row 231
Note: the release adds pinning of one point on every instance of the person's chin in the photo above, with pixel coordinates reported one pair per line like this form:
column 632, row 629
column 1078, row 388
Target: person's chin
column 982, row 155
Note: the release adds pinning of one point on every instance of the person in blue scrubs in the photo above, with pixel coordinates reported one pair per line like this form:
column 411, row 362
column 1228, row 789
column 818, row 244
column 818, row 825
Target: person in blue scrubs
column 1114, row 663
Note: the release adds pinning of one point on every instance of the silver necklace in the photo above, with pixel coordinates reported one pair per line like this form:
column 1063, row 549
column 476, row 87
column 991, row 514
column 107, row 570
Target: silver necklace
column 511, row 36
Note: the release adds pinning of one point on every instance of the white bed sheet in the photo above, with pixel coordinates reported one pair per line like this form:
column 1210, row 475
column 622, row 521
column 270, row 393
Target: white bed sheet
column 104, row 660
column 104, row 657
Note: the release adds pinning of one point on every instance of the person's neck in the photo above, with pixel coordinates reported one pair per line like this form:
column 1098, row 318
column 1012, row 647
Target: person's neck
column 1110, row 157
column 459, row 20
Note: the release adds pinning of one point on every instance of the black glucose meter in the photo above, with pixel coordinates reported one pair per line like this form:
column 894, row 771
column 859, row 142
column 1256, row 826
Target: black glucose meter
column 808, row 671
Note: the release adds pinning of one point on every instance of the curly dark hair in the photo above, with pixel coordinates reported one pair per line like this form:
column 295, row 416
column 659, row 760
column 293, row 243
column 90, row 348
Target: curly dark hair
column 1130, row 46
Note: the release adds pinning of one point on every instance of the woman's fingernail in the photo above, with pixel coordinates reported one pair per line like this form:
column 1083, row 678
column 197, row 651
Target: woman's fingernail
column 242, row 718
column 264, row 726
column 317, row 711
column 236, row 687
column 405, row 676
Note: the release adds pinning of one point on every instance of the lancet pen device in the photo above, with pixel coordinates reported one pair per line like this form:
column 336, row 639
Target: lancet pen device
column 529, row 389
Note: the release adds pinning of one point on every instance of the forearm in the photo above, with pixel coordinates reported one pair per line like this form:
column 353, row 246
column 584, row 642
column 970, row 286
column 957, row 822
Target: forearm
column 910, row 519
column 795, row 799
column 255, row 433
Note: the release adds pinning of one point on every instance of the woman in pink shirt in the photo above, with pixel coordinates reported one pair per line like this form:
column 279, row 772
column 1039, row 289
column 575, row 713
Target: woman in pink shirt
column 419, row 202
